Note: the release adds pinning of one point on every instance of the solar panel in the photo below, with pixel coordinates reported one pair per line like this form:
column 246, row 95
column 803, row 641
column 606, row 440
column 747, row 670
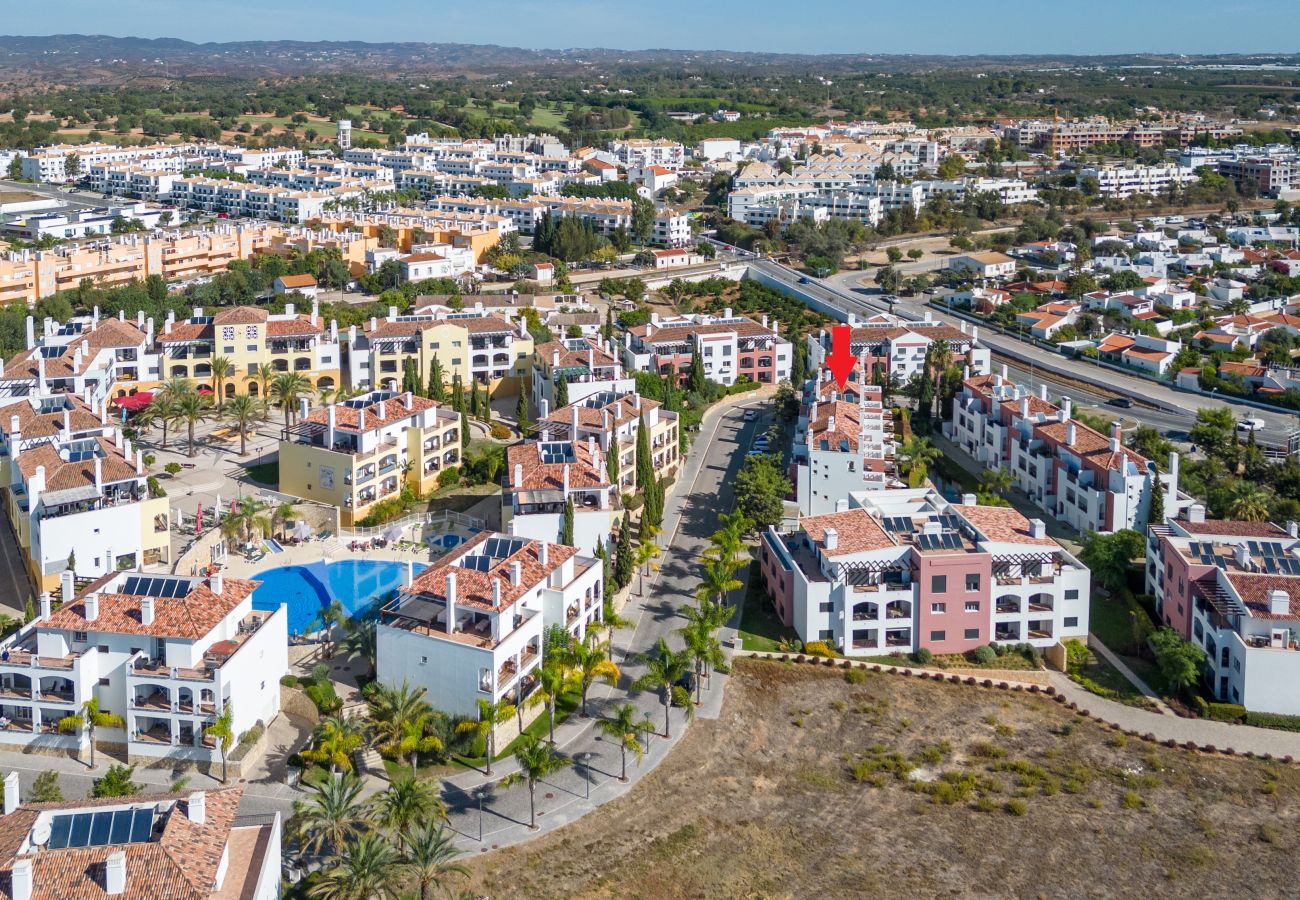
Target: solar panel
column 477, row 563
column 121, row 830
column 60, row 828
column 952, row 541
column 80, row 836
column 1253, row 547
column 1270, row 565
column 100, row 825
column 142, row 824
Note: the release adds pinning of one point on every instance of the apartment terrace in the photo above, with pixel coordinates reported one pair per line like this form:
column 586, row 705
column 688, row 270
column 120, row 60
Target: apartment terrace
column 216, row 656
column 427, row 616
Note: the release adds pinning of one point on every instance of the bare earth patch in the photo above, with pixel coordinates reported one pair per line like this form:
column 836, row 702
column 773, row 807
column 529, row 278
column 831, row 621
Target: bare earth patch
column 811, row 786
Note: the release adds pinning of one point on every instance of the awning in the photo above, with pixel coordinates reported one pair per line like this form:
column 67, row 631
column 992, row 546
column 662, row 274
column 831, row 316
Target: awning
column 302, row 531
column 392, row 532
column 70, row 495
column 135, row 402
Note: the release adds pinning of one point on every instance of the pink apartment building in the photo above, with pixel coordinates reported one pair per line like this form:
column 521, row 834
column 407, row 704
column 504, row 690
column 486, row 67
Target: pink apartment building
column 732, row 348
column 905, row 570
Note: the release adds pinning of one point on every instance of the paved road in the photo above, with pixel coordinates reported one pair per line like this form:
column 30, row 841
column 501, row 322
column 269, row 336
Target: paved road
column 70, row 199
column 690, row 517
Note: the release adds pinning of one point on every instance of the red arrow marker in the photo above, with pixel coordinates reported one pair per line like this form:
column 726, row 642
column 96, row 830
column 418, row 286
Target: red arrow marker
column 841, row 359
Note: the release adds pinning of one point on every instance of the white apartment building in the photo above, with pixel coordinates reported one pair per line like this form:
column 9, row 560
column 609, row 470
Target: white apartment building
column 585, row 365
column 1233, row 589
column 543, row 476
column 902, row 570
column 185, row 846
column 731, row 348
column 842, row 445
column 641, row 153
column 166, row 653
column 1125, row 181
column 471, row 627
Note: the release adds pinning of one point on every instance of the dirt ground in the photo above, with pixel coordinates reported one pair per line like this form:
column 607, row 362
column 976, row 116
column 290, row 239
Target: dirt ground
column 811, row 786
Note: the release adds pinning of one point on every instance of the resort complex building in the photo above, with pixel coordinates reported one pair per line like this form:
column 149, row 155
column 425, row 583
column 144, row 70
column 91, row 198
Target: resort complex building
column 182, row 846
column 614, row 420
column 486, row 349
column 843, row 443
column 1233, row 589
column 905, row 570
column 164, row 652
column 357, row 452
column 76, row 491
column 732, row 348
column 545, row 477
column 472, row 626
column 571, row 369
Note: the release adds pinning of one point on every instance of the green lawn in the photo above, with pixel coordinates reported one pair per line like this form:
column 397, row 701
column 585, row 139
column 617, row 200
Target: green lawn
column 1110, row 620
column 540, row 727
column 267, row 473
column 760, row 629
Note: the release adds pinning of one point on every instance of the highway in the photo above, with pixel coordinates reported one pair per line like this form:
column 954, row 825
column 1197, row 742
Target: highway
column 1155, row 404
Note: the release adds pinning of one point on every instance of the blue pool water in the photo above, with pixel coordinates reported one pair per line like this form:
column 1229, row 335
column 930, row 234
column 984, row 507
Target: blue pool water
column 308, row 589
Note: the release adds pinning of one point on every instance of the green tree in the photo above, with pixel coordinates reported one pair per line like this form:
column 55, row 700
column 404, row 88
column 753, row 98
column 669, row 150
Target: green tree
column 332, row 817
column 334, row 741
column 1109, row 556
column 400, row 717
column 566, row 524
column 537, row 760
column 915, row 456
column 222, row 369
column 46, row 789
column 369, row 870
column 760, row 491
column 116, row 782
column 612, row 461
column 521, row 412
column 490, row 716
column 427, row 861
column 697, row 383
column 437, row 387
column 193, row 409
column 242, row 412
column 406, row 803
column 1180, row 662
column 626, row 730
column 663, row 670
column 624, row 555
column 222, row 732
column 88, row 720
column 561, row 393
column 554, row 679
column 590, row 661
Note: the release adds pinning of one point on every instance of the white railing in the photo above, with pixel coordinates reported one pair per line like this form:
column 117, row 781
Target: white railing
column 441, row 519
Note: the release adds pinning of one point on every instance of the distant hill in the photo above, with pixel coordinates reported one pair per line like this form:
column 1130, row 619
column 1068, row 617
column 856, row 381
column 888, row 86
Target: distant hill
column 76, row 58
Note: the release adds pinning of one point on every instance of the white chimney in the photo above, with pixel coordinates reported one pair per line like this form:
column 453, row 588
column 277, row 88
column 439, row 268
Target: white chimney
column 68, row 584
column 12, row 793
column 451, row 602
column 566, row 481
column 1293, row 528
column 543, row 553
column 831, row 539
column 1037, row 528
column 496, row 591
column 47, row 606
column 516, row 573
column 197, row 805
column 91, row 602
column 115, row 873
column 146, row 610
column 969, row 500
column 20, row 879
column 217, row 584
column 1196, row 513
column 1279, row 604
column 1071, row 433
column 1115, row 438
column 518, row 479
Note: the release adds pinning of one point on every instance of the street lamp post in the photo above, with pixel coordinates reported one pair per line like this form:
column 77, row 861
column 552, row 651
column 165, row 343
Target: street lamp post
column 584, row 761
column 479, row 793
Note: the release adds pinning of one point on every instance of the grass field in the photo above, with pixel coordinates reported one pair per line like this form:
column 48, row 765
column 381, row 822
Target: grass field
column 760, row 629
column 809, row 786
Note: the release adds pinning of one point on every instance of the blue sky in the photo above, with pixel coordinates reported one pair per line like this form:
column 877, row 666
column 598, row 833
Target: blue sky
column 804, row 26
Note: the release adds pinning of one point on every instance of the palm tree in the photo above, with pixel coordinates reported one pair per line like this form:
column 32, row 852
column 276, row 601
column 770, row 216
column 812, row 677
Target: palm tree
column 719, row 581
column 360, row 642
column 553, row 679
column 663, row 671
column 917, row 455
column 162, row 409
column 284, row 514
column 590, row 661
column 704, row 650
column 222, row 731
column 727, row 545
column 285, row 391
column 997, row 480
column 222, row 368
column 330, row 618
column 242, row 411
column 332, row 817
column 625, row 728
column 490, row 715
column 536, row 761
column 264, row 373
column 90, row 718
column 430, row 850
column 646, row 553
column 192, row 409
column 612, row 620
column 400, row 716
column 408, row 802
column 1249, row 503
column 369, row 870
column 246, row 520
column 335, row 740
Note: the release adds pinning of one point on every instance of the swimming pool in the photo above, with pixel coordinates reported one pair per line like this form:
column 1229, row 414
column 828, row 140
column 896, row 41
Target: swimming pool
column 306, row 590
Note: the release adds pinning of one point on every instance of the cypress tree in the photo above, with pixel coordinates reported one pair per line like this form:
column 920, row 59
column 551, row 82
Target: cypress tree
column 697, row 381
column 645, row 471
column 566, row 524
column 624, row 561
column 1156, row 514
column 612, row 462
column 606, row 570
column 561, row 393
column 437, row 390
column 521, row 412
column 484, row 405
column 652, row 513
column 457, row 394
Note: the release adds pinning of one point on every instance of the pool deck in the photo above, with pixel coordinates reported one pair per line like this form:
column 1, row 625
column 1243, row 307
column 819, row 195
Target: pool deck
column 317, row 551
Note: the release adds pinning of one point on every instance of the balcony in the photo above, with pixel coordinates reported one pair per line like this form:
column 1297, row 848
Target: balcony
column 145, row 667
column 1007, row 605
column 571, row 615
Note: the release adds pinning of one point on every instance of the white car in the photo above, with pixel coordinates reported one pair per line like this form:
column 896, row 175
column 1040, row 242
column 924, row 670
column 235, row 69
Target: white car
column 1246, row 426
column 750, row 415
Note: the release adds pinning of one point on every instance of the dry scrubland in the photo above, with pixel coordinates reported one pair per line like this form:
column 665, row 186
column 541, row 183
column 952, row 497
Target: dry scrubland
column 813, row 786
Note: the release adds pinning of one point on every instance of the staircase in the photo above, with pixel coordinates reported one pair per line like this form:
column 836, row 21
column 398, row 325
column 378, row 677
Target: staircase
column 369, row 762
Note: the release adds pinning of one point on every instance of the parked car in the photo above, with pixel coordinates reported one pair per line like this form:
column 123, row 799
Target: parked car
column 1246, row 426
column 750, row 415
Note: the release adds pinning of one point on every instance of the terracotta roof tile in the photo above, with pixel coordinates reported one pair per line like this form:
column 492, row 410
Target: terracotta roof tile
column 1001, row 524
column 190, row 617
column 856, row 530
column 474, row 587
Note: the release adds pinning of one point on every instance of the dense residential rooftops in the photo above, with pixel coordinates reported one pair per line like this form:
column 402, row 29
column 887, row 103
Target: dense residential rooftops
column 484, row 570
column 371, row 411
column 553, row 466
column 183, row 608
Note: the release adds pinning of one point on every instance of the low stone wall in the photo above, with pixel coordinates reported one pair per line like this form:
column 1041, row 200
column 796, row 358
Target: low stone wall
column 296, row 703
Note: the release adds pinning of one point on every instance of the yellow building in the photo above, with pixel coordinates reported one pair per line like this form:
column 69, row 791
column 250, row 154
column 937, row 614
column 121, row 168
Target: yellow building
column 358, row 452
column 488, row 349
column 249, row 338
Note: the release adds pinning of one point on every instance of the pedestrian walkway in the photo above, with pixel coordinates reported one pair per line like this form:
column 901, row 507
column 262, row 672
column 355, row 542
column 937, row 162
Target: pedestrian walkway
column 1105, row 653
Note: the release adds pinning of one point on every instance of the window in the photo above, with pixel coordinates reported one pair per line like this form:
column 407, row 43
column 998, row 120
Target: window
column 825, row 635
column 102, row 648
column 972, row 634
column 79, row 636
column 825, row 607
column 938, row 584
column 230, row 348
column 251, row 348
column 1072, row 594
column 938, row 608
column 972, row 606
column 1071, row 621
column 104, row 682
column 937, row 636
column 972, row 583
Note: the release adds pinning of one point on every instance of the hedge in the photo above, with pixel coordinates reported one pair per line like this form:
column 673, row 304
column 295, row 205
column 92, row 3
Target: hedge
column 1273, row 720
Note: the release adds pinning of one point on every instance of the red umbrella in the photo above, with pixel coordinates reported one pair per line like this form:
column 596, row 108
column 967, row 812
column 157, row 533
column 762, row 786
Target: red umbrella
column 135, row 402
column 205, row 391
column 198, row 520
